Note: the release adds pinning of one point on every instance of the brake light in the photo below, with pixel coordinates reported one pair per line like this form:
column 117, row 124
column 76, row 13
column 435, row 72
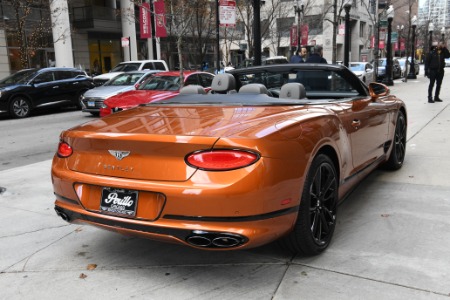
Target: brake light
column 221, row 160
column 64, row 150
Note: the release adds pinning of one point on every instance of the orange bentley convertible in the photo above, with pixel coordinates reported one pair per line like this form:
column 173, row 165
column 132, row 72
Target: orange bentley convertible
column 267, row 155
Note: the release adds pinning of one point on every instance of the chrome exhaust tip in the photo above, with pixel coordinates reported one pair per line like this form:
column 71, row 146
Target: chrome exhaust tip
column 226, row 241
column 207, row 239
column 199, row 241
column 62, row 214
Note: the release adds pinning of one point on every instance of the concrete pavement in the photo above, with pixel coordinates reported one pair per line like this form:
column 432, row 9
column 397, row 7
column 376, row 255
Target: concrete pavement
column 392, row 240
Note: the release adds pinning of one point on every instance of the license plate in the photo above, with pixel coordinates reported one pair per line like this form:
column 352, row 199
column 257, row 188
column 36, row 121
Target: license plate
column 119, row 202
column 91, row 103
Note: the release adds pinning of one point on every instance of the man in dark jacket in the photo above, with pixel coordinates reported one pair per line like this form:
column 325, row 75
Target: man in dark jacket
column 316, row 56
column 434, row 69
column 296, row 58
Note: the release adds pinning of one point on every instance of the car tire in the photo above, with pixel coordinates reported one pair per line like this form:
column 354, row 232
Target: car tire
column 77, row 103
column 397, row 155
column 20, row 107
column 316, row 218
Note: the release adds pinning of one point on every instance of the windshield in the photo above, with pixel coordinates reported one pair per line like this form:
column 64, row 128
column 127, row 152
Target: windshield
column 124, row 79
column 309, row 83
column 357, row 67
column 19, row 77
column 126, row 67
column 162, row 83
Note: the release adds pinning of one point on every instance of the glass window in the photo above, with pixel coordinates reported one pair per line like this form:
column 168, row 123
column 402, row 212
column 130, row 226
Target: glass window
column 44, row 77
column 161, row 83
column 159, row 66
column 61, row 75
column 192, row 79
column 206, row 80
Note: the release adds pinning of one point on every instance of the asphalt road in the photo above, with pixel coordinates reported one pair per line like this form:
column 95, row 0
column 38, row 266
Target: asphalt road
column 392, row 240
column 34, row 139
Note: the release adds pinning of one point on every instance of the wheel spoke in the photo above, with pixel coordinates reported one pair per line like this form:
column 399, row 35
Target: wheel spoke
column 324, row 222
column 315, row 223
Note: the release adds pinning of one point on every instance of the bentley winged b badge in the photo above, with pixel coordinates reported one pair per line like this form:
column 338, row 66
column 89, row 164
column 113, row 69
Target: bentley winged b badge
column 119, row 154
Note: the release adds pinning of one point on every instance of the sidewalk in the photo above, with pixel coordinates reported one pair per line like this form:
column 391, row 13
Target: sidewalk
column 392, row 240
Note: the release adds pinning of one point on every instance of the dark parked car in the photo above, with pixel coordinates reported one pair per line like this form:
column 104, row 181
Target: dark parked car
column 31, row 89
column 396, row 69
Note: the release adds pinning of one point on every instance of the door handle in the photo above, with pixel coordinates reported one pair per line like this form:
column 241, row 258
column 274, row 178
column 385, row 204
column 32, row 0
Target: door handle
column 56, row 87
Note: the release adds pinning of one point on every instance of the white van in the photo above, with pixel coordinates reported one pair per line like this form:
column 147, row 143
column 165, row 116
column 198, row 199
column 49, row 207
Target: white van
column 133, row 65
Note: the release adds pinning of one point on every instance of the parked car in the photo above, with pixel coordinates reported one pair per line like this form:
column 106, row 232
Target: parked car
column 134, row 65
column 92, row 100
column 161, row 86
column 396, row 69
column 264, row 61
column 363, row 70
column 405, row 65
column 447, row 62
column 233, row 170
column 30, row 89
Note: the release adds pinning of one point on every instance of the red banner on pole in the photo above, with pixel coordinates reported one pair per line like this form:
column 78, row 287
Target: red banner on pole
column 160, row 19
column 305, row 31
column 293, row 36
column 402, row 44
column 144, row 21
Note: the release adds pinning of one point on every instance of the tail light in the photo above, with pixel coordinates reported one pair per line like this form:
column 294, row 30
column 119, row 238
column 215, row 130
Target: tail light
column 105, row 111
column 221, row 160
column 64, row 150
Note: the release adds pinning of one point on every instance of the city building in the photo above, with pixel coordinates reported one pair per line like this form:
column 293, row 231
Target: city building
column 95, row 35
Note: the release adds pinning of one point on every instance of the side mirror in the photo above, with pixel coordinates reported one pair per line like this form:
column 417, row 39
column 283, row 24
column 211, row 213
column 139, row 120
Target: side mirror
column 378, row 90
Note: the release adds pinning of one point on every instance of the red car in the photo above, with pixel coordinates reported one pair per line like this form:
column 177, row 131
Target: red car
column 162, row 86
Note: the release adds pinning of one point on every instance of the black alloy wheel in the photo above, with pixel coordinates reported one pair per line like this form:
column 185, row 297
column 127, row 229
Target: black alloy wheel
column 20, row 107
column 398, row 151
column 316, row 219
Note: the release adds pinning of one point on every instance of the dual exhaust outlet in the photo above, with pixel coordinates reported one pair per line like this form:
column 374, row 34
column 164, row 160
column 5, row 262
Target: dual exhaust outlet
column 206, row 239
column 197, row 238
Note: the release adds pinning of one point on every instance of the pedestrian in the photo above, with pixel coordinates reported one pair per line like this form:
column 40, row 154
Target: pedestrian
column 316, row 56
column 296, row 58
column 434, row 69
column 303, row 53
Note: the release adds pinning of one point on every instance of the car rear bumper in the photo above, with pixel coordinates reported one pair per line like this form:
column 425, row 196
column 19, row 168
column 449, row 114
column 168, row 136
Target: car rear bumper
column 207, row 235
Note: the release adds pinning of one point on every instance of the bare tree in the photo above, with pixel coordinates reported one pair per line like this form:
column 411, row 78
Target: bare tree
column 31, row 26
column 202, row 29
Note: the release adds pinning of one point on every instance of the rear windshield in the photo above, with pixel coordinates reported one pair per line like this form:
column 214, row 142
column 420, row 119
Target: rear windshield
column 126, row 67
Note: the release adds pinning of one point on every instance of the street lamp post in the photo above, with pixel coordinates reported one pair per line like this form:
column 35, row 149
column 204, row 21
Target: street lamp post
column 257, row 32
column 298, row 8
column 387, row 80
column 217, row 37
column 347, row 7
column 412, row 68
column 430, row 30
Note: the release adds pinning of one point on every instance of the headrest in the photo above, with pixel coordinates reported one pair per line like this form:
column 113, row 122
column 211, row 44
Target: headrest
column 223, row 83
column 293, row 90
column 192, row 89
column 253, row 88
